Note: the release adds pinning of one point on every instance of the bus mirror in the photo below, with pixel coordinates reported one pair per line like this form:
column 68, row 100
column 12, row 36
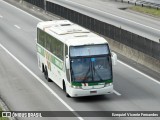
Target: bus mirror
column 114, row 58
column 67, row 63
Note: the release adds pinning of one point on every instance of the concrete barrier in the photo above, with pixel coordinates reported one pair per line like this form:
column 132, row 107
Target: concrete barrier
column 135, row 55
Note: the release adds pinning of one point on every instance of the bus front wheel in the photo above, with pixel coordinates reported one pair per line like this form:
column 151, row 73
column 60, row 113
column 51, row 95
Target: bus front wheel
column 64, row 89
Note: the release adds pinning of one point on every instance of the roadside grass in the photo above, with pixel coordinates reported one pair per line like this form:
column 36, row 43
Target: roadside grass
column 1, row 118
column 146, row 10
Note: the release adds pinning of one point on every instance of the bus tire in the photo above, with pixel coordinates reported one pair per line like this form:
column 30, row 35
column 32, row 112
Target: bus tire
column 46, row 75
column 49, row 80
column 43, row 68
column 64, row 89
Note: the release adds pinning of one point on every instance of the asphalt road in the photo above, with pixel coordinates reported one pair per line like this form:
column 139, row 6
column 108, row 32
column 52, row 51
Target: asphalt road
column 23, row 87
column 107, row 11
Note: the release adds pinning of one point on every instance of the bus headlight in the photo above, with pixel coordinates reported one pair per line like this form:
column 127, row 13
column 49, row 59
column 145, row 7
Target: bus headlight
column 108, row 84
column 77, row 87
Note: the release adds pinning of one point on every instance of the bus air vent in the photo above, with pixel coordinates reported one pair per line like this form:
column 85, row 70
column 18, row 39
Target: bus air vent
column 81, row 36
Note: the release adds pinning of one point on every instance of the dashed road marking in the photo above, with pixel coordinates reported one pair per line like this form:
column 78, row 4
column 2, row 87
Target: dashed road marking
column 117, row 93
column 17, row 26
column 1, row 16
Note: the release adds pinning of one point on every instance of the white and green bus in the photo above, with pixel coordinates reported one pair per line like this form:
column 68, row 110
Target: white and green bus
column 76, row 59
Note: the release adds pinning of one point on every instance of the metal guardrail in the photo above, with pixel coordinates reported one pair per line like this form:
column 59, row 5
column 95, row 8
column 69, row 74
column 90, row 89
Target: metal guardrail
column 142, row 3
column 148, row 4
column 132, row 40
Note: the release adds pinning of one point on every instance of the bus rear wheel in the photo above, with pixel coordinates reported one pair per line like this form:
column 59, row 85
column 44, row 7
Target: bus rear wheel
column 46, row 75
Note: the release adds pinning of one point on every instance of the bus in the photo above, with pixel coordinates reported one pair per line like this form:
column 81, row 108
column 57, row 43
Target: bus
column 76, row 59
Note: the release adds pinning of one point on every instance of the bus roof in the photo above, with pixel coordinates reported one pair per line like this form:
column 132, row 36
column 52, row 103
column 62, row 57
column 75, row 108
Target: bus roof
column 70, row 33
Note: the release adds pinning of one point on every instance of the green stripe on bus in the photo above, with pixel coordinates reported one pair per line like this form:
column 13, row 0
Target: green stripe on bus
column 50, row 57
column 40, row 50
column 92, row 83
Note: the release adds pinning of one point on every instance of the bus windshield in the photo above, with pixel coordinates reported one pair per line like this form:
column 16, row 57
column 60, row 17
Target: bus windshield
column 93, row 66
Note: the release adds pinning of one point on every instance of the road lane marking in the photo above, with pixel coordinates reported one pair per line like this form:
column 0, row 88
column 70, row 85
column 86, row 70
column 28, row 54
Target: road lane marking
column 139, row 72
column 1, row 16
column 43, row 83
column 117, row 93
column 21, row 10
column 114, row 15
column 26, row 12
column 17, row 26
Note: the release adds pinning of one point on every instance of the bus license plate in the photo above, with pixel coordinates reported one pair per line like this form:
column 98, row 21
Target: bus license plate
column 91, row 92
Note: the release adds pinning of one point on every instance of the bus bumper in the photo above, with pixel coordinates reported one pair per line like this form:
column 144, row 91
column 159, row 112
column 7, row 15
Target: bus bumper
column 90, row 92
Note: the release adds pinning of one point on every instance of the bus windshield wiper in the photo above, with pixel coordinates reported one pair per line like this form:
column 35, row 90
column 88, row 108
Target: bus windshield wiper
column 87, row 74
column 95, row 71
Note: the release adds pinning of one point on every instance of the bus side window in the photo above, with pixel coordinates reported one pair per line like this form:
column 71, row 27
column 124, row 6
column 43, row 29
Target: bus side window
column 53, row 45
column 48, row 43
column 42, row 38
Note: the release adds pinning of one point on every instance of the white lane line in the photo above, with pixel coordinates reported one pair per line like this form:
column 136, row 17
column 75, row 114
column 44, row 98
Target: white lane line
column 117, row 93
column 17, row 26
column 139, row 72
column 41, row 81
column 114, row 15
column 21, row 10
column 26, row 12
column 1, row 16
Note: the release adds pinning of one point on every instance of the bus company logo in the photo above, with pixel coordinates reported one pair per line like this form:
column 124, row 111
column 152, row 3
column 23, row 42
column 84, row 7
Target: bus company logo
column 21, row 114
column 6, row 114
